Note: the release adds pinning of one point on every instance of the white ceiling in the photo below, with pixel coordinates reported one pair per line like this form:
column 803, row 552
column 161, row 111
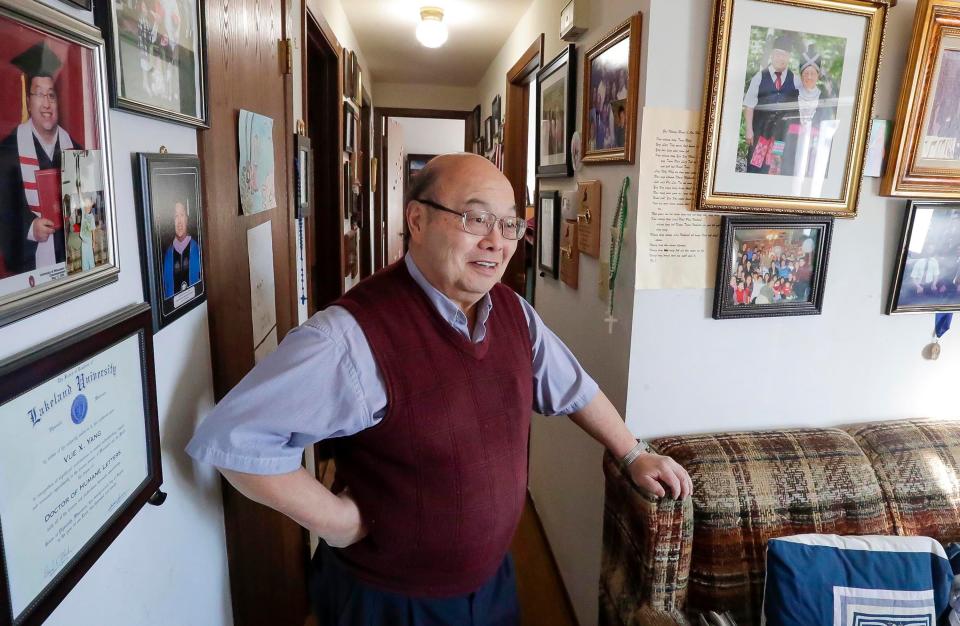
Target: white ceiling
column 385, row 31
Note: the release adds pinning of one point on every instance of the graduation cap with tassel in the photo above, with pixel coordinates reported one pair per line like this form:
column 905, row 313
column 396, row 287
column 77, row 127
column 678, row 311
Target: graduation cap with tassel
column 36, row 61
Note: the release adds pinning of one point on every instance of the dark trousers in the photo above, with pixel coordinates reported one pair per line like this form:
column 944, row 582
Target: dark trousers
column 339, row 599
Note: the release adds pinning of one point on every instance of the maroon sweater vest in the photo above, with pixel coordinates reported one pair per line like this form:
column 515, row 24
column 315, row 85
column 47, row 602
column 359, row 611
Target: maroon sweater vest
column 441, row 480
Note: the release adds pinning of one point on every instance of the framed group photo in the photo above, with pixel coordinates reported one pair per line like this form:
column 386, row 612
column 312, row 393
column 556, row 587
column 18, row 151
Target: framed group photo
column 772, row 266
column 927, row 275
column 548, row 232
column 611, row 85
column 924, row 158
column 789, row 92
column 171, row 234
column 158, row 62
column 57, row 219
column 556, row 113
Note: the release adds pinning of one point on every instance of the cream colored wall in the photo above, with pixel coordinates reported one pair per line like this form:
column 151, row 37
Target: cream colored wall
column 414, row 96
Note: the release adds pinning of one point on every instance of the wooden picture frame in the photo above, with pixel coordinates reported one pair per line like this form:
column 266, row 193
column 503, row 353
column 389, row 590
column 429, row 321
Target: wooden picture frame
column 172, row 79
column 548, row 232
column 556, row 97
column 926, row 278
column 92, row 392
column 789, row 255
column 764, row 148
column 611, row 89
column 922, row 164
column 349, row 79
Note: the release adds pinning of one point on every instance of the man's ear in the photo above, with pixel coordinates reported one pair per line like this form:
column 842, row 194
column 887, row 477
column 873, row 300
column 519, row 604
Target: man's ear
column 416, row 219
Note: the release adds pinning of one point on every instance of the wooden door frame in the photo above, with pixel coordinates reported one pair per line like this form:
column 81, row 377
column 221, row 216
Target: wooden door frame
column 380, row 115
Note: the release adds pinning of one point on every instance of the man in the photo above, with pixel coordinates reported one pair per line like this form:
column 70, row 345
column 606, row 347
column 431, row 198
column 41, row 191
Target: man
column 772, row 93
column 181, row 260
column 425, row 376
column 29, row 239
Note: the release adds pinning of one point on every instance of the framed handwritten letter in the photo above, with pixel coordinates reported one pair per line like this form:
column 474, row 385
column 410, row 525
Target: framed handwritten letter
column 79, row 457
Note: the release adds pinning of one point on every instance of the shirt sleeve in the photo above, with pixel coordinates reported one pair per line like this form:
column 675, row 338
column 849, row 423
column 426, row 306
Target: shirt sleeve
column 560, row 385
column 750, row 98
column 307, row 390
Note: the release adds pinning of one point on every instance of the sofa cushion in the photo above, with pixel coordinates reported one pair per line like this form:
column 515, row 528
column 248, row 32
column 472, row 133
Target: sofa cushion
column 751, row 486
column 851, row 581
column 917, row 464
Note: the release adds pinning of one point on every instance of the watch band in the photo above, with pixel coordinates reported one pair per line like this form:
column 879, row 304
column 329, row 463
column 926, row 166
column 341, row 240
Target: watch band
column 635, row 451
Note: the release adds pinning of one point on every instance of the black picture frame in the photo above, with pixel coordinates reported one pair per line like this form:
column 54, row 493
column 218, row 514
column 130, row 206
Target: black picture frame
column 548, row 233
column 349, row 128
column 161, row 178
column 495, row 109
column 349, row 197
column 129, row 94
column 476, row 122
column 303, row 176
column 941, row 239
column 564, row 64
column 811, row 281
column 86, row 5
column 21, row 373
column 489, row 132
column 412, row 164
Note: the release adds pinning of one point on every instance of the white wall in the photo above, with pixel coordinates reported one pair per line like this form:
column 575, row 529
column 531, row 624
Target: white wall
column 169, row 565
column 415, row 96
column 431, row 136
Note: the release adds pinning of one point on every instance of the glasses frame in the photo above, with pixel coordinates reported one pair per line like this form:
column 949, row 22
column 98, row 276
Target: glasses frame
column 463, row 219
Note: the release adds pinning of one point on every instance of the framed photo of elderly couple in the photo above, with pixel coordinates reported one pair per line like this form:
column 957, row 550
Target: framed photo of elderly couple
column 57, row 226
column 787, row 103
column 924, row 160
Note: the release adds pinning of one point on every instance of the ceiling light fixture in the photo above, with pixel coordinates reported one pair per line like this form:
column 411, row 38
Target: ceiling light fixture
column 431, row 31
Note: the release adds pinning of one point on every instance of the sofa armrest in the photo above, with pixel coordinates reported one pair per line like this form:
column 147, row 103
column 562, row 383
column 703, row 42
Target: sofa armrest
column 647, row 543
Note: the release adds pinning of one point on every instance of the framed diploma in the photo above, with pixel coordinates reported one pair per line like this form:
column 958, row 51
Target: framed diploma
column 79, row 457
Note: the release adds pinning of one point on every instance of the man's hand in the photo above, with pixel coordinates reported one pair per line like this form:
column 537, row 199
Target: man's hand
column 349, row 529
column 749, row 137
column 42, row 229
column 651, row 472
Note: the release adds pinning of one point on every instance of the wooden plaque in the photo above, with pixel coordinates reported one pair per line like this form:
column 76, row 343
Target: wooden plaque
column 569, row 254
column 588, row 217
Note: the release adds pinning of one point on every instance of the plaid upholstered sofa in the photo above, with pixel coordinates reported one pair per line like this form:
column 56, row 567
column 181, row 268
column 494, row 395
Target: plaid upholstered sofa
column 666, row 561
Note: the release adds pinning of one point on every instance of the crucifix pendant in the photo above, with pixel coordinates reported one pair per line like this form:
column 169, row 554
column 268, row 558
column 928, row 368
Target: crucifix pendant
column 610, row 320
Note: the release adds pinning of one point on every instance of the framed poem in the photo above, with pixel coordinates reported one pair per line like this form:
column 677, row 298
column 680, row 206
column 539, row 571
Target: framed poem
column 548, row 232
column 927, row 275
column 772, row 266
column 158, row 64
column 79, row 457
column 303, row 174
column 556, row 113
column 57, row 218
column 787, row 104
column 170, row 219
column 611, row 87
column 924, row 159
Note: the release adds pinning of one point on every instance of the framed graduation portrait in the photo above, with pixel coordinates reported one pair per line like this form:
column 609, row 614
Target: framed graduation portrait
column 157, row 58
column 927, row 275
column 556, row 113
column 57, row 226
column 171, row 234
column 789, row 92
column 925, row 152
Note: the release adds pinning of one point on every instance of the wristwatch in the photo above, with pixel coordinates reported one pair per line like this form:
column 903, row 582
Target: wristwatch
column 635, row 451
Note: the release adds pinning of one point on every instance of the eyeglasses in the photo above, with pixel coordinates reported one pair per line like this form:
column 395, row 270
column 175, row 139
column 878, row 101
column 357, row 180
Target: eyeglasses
column 50, row 96
column 481, row 223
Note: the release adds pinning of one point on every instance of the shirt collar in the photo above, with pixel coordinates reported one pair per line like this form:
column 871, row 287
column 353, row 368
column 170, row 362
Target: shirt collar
column 447, row 308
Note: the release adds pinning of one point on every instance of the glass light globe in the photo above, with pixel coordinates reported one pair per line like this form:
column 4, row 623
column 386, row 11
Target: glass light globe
column 431, row 31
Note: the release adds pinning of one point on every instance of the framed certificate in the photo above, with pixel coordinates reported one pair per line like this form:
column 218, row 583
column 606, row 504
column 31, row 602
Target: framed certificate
column 79, row 457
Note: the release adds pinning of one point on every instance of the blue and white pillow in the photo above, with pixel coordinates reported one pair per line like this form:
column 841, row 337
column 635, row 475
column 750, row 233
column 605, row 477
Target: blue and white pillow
column 832, row 580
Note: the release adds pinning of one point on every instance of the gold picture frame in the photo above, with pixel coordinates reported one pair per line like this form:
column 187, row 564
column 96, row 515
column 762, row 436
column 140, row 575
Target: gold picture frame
column 752, row 167
column 610, row 98
column 916, row 167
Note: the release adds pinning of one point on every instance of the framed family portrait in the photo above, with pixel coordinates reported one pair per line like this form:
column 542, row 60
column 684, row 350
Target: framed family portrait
column 789, row 92
column 556, row 113
column 548, row 231
column 171, row 234
column 158, row 63
column 57, row 219
column 772, row 266
column 927, row 275
column 611, row 85
column 925, row 151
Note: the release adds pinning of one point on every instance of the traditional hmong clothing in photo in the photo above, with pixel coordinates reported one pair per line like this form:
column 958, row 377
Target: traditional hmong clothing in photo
column 772, row 95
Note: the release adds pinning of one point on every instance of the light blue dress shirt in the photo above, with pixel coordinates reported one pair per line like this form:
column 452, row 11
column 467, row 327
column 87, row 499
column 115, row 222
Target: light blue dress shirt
column 322, row 382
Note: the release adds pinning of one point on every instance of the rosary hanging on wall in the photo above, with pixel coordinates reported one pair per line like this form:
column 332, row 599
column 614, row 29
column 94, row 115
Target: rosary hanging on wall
column 617, row 230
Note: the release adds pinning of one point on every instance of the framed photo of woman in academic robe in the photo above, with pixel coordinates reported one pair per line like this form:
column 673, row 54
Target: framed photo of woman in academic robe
column 56, row 200
column 924, row 157
column 158, row 61
column 171, row 234
column 789, row 91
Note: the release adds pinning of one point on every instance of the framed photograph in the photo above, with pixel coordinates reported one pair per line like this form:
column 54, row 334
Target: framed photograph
column 357, row 82
column 303, row 174
column 772, row 265
column 349, row 197
column 925, row 152
column 489, row 132
column 927, row 276
column 171, row 234
column 556, row 113
column 495, row 112
column 548, row 225
column 158, row 64
column 349, row 83
column 349, row 128
column 789, row 92
column 475, row 122
column 87, row 5
column 57, row 220
column 79, row 457
column 611, row 86
column 412, row 166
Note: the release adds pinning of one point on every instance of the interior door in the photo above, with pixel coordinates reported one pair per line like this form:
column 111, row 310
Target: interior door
column 394, row 191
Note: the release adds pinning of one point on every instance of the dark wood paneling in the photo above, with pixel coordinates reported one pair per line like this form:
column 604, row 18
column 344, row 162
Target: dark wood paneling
column 266, row 551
